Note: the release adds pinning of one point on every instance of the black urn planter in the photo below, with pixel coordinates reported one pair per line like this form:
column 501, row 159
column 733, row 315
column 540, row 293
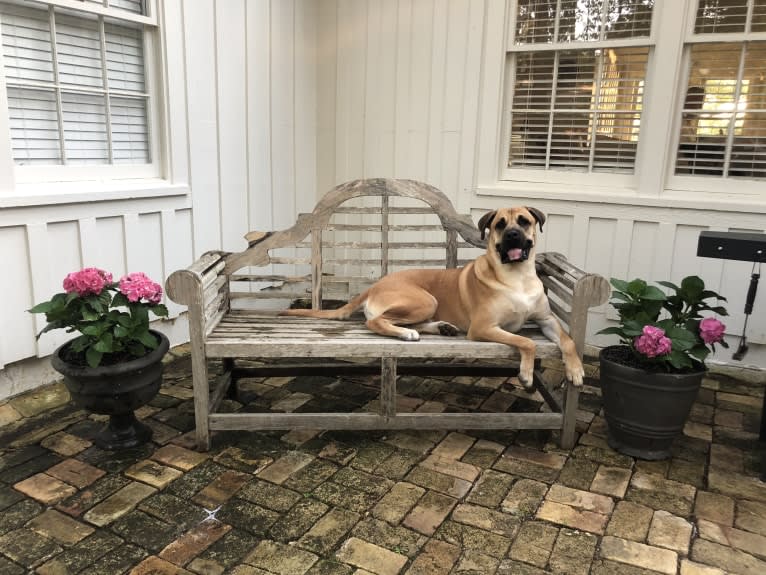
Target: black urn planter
column 645, row 411
column 116, row 390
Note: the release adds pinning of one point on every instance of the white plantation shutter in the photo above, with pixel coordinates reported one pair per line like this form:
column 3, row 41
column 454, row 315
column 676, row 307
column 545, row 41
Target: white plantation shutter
column 576, row 95
column 34, row 126
column 723, row 119
column 76, row 85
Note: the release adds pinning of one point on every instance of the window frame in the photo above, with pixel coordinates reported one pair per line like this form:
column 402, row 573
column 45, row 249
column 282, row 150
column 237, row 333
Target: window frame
column 50, row 180
column 653, row 182
column 563, row 176
column 714, row 184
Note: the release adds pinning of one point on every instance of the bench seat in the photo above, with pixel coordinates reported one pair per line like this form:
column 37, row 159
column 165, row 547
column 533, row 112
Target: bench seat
column 243, row 333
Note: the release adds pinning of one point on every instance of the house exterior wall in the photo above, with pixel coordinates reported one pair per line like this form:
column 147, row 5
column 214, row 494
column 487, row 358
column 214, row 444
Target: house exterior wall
column 240, row 131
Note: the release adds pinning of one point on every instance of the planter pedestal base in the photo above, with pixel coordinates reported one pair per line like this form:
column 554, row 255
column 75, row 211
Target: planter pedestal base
column 123, row 431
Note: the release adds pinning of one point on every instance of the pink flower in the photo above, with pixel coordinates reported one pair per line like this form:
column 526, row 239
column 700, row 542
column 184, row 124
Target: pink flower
column 711, row 330
column 137, row 285
column 653, row 342
column 87, row 281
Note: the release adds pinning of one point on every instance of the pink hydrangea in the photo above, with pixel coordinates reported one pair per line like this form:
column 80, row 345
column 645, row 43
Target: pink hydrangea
column 653, row 342
column 88, row 281
column 137, row 285
column 711, row 330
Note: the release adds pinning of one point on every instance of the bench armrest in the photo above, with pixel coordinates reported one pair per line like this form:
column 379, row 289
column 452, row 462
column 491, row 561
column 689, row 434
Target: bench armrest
column 574, row 289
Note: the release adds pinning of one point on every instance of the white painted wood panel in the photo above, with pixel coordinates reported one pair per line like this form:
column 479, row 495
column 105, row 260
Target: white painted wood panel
column 241, row 125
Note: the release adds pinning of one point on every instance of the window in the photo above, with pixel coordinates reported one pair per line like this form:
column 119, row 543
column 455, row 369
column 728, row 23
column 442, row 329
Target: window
column 723, row 120
column 577, row 70
column 79, row 84
column 632, row 97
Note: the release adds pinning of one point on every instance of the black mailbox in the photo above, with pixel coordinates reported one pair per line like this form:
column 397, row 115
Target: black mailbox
column 742, row 246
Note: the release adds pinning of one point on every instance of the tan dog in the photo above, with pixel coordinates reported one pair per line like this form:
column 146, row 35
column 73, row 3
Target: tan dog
column 489, row 299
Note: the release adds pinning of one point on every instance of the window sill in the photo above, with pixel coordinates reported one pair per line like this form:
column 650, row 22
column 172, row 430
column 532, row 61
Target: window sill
column 668, row 198
column 30, row 195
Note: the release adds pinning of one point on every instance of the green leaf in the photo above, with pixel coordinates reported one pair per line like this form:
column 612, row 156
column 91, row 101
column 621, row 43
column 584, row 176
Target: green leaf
column 653, row 293
column 610, row 330
column 159, row 310
column 120, row 300
column 147, row 339
column 621, row 285
column 679, row 360
column 700, row 352
column 89, row 315
column 120, row 331
column 670, row 285
column 636, row 287
column 104, row 344
column 93, row 330
column 44, row 307
column 719, row 310
column 93, row 357
column 693, row 286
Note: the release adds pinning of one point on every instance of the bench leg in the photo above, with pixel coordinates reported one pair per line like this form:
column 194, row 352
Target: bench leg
column 571, row 397
column 201, row 400
column 388, row 387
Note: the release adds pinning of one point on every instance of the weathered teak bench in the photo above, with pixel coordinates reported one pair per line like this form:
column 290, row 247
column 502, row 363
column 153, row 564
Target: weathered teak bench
column 357, row 233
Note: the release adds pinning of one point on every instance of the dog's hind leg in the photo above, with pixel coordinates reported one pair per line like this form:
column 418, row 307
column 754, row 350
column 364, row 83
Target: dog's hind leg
column 414, row 312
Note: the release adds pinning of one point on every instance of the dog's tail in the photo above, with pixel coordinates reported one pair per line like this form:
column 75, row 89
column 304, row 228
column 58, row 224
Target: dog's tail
column 340, row 313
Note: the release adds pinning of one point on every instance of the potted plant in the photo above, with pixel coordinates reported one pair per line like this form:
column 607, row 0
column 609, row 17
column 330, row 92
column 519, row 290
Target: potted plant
column 115, row 365
column 651, row 379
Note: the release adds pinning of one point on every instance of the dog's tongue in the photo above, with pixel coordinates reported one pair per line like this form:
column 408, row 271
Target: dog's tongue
column 515, row 254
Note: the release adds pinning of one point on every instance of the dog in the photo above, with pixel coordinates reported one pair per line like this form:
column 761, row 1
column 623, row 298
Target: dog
column 490, row 299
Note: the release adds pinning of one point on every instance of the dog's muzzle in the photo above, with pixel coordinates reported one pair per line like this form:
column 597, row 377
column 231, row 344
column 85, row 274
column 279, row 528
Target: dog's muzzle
column 514, row 247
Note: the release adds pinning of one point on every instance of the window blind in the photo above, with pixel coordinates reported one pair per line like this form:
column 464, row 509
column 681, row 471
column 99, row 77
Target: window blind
column 76, row 86
column 723, row 117
column 573, row 106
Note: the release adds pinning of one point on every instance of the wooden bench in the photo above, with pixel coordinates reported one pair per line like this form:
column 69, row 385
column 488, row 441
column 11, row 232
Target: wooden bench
column 357, row 233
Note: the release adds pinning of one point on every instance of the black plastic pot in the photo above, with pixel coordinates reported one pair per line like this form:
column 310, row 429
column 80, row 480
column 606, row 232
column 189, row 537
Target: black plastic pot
column 116, row 390
column 645, row 411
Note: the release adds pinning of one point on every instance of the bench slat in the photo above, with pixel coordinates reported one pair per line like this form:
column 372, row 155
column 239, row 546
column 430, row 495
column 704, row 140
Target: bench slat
column 356, row 420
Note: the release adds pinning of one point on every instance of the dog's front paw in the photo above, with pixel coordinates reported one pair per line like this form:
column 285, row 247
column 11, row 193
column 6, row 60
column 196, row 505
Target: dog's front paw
column 410, row 335
column 527, row 378
column 575, row 373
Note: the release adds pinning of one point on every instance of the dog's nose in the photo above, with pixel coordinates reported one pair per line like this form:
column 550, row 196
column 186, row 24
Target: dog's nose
column 513, row 234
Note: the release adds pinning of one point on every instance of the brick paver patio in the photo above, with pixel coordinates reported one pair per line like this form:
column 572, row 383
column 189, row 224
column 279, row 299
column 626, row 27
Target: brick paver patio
column 372, row 502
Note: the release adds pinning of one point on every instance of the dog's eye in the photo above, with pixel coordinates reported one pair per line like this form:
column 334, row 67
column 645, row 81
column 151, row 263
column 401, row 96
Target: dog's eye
column 501, row 223
column 523, row 222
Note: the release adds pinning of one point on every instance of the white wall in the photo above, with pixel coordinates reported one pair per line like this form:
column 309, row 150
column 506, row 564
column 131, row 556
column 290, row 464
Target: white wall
column 240, row 125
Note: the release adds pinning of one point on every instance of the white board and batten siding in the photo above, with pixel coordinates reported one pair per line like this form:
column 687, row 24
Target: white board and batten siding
column 240, row 154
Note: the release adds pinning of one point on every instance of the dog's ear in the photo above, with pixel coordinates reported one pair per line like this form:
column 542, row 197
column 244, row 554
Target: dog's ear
column 485, row 222
column 539, row 216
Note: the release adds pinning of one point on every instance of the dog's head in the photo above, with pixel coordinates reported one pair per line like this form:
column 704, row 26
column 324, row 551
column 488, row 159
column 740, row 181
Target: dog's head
column 512, row 232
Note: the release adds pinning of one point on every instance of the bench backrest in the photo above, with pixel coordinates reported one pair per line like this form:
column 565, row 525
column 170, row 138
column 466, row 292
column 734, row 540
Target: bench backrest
column 357, row 233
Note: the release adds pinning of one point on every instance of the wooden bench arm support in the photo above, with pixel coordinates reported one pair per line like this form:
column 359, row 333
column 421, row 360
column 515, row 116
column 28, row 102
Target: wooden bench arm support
column 205, row 292
column 580, row 290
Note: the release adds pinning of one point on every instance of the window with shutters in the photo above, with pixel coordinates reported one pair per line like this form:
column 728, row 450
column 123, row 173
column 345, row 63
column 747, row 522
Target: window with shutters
column 577, row 71
column 79, row 88
column 722, row 120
